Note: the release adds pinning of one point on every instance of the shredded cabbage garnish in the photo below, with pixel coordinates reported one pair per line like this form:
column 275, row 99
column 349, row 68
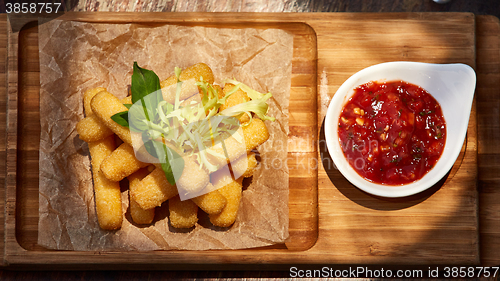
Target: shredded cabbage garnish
column 194, row 128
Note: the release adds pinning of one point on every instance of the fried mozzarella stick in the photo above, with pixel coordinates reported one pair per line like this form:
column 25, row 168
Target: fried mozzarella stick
column 104, row 105
column 212, row 202
column 243, row 168
column 234, row 150
column 194, row 178
column 153, row 190
column 87, row 97
column 193, row 72
column 121, row 163
column 139, row 215
column 90, row 128
column 183, row 214
column 236, row 98
column 107, row 193
column 126, row 100
column 255, row 134
column 231, row 190
column 251, row 164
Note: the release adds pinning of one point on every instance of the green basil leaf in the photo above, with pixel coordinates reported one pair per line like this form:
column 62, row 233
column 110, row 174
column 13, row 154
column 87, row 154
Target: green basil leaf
column 167, row 169
column 136, row 117
column 144, row 83
column 121, row 118
column 127, row 105
column 171, row 162
column 150, row 146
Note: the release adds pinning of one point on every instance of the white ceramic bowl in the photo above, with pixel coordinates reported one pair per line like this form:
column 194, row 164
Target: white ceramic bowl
column 452, row 85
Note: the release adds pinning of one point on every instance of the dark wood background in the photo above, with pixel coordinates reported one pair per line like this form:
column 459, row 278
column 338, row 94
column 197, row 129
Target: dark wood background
column 481, row 7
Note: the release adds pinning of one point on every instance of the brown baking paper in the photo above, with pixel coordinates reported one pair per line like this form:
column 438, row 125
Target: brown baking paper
column 76, row 56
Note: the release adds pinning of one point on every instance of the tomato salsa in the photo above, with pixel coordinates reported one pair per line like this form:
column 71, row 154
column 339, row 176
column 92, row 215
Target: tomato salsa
column 392, row 133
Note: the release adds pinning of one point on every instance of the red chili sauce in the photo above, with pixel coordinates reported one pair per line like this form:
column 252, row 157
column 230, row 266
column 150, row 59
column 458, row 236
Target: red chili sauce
column 392, row 133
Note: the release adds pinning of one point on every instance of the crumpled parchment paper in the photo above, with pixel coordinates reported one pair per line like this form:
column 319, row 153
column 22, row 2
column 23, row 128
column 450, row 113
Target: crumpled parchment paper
column 76, row 56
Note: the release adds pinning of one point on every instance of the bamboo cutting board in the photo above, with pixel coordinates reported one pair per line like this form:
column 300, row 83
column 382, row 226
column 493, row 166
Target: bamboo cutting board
column 331, row 221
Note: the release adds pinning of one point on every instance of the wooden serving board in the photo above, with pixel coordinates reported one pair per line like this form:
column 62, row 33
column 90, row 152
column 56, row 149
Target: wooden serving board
column 331, row 221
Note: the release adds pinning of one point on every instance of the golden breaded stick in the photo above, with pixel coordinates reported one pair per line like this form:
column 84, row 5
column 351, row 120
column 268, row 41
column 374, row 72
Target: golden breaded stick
column 255, row 133
column 194, row 178
column 139, row 215
column 87, row 97
column 232, row 193
column 91, row 129
column 107, row 193
column 183, row 214
column 153, row 190
column 241, row 167
column 188, row 89
column 234, row 150
column 212, row 202
column 121, row 163
column 218, row 89
column 244, row 168
column 104, row 105
column 126, row 100
column 196, row 99
column 193, row 72
column 236, row 98
column 191, row 75
column 251, row 164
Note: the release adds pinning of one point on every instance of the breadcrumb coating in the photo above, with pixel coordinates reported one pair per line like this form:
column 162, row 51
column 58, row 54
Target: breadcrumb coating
column 234, row 150
column 153, row 190
column 126, row 100
column 87, row 97
column 251, row 165
column 121, row 163
column 255, row 133
column 139, row 215
column 108, row 200
column 193, row 72
column 104, row 105
column 211, row 203
column 183, row 214
column 91, row 129
column 232, row 193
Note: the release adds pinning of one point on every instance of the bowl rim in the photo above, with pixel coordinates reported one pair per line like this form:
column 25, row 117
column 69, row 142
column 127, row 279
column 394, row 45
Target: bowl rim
column 345, row 91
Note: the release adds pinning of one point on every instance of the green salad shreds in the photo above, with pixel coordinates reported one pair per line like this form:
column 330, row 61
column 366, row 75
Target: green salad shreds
column 257, row 104
column 186, row 128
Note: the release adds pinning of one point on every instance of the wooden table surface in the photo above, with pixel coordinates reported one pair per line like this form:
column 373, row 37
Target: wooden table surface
column 489, row 165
